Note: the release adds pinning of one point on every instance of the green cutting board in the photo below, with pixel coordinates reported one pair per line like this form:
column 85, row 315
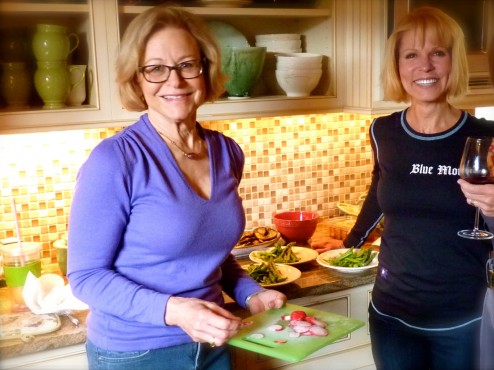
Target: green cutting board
column 290, row 349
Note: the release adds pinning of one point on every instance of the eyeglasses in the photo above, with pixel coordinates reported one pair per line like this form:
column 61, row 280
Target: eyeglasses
column 157, row 73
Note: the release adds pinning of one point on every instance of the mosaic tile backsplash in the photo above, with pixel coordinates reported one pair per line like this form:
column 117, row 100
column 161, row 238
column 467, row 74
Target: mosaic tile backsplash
column 307, row 162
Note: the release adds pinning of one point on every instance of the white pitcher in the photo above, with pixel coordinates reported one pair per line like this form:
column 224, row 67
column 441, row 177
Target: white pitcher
column 77, row 93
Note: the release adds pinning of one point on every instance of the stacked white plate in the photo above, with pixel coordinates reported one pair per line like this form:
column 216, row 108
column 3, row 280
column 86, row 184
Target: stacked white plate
column 298, row 73
column 276, row 43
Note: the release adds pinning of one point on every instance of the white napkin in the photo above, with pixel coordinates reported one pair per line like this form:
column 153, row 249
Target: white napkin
column 49, row 294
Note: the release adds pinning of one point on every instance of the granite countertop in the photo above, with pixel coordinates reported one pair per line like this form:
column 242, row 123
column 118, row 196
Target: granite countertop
column 315, row 280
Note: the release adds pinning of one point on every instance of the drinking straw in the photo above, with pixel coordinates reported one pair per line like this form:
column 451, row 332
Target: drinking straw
column 18, row 229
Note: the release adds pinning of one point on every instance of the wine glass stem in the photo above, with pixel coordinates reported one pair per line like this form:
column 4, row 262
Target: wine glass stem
column 477, row 215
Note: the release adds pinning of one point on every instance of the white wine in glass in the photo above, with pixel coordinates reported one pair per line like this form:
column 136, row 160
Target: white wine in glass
column 477, row 167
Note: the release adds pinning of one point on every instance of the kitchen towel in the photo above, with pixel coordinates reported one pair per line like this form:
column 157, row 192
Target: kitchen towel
column 49, row 294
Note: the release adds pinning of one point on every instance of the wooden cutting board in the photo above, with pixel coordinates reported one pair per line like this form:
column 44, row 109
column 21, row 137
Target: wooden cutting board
column 279, row 344
column 25, row 325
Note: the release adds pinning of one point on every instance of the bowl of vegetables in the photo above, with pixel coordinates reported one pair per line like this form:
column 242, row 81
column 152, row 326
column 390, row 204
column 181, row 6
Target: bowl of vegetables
column 269, row 274
column 350, row 260
column 289, row 254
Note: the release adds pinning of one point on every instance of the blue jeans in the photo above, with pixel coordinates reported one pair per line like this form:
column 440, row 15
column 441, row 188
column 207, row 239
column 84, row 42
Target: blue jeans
column 190, row 356
column 396, row 346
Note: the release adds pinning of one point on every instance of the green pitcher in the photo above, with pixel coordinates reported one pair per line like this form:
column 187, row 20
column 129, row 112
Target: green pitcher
column 52, row 82
column 51, row 43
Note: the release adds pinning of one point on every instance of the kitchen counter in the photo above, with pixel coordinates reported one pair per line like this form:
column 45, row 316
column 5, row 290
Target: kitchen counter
column 315, row 280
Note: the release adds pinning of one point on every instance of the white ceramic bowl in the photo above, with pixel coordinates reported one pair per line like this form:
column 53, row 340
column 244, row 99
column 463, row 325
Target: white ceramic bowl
column 298, row 60
column 298, row 83
column 276, row 49
column 278, row 37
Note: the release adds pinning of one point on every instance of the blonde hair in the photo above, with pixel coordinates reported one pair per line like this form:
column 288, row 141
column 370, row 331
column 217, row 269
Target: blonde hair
column 446, row 32
column 133, row 46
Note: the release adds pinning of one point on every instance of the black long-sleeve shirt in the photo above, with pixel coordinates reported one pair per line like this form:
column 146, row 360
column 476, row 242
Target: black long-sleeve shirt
column 428, row 276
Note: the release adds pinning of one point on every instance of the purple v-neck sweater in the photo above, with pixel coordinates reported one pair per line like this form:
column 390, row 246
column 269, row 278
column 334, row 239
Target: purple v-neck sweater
column 138, row 234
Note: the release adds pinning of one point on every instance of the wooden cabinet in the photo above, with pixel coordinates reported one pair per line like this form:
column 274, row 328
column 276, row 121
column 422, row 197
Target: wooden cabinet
column 316, row 25
column 366, row 26
column 99, row 23
column 86, row 19
column 349, row 33
column 353, row 351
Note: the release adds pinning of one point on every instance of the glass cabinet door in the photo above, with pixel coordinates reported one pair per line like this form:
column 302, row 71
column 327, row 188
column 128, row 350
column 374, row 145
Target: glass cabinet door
column 49, row 71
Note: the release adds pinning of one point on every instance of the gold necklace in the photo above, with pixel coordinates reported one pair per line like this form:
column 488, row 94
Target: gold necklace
column 190, row 155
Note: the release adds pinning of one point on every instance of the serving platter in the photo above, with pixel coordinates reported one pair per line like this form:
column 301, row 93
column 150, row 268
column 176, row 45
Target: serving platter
column 244, row 250
column 321, row 259
column 226, row 35
column 289, row 272
column 304, row 255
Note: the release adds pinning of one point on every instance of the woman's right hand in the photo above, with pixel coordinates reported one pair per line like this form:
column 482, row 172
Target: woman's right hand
column 325, row 243
column 203, row 321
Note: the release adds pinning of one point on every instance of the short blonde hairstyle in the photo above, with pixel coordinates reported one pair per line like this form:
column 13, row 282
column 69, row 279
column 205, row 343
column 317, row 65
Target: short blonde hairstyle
column 446, row 32
column 133, row 46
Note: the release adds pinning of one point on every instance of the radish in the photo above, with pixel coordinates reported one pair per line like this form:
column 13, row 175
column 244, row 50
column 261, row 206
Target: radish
column 299, row 323
column 298, row 315
column 315, row 321
column 318, row 331
column 298, row 328
column 275, row 327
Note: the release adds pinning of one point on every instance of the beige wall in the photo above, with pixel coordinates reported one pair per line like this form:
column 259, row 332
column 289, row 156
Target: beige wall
column 298, row 162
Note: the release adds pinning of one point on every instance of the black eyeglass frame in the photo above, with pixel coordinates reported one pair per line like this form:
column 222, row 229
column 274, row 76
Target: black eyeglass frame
column 176, row 67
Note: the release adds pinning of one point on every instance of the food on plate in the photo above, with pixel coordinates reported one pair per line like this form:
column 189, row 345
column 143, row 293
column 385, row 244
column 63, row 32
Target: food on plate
column 353, row 258
column 279, row 254
column 257, row 236
column 265, row 273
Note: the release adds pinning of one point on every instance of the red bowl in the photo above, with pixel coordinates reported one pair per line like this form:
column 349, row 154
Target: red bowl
column 296, row 226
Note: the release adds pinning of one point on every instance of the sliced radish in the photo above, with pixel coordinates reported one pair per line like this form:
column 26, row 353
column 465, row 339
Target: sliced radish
column 294, row 334
column 256, row 335
column 318, row 331
column 285, row 317
column 247, row 323
column 275, row 327
column 315, row 321
column 280, row 341
column 301, row 328
column 300, row 323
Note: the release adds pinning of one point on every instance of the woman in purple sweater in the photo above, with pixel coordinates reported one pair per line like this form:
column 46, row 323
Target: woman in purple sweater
column 156, row 211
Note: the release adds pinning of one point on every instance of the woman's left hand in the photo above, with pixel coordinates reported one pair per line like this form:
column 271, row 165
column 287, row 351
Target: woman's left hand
column 266, row 300
column 479, row 195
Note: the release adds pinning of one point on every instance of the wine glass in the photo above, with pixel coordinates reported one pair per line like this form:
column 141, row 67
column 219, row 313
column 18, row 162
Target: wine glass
column 477, row 167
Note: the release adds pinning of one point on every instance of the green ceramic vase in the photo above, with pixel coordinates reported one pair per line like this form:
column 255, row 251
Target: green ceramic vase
column 243, row 66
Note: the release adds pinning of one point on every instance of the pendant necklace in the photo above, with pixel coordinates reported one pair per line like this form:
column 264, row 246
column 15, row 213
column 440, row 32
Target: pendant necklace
column 190, row 155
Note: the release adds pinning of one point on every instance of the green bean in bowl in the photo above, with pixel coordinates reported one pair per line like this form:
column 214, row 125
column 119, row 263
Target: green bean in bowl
column 279, row 254
column 353, row 258
column 265, row 273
